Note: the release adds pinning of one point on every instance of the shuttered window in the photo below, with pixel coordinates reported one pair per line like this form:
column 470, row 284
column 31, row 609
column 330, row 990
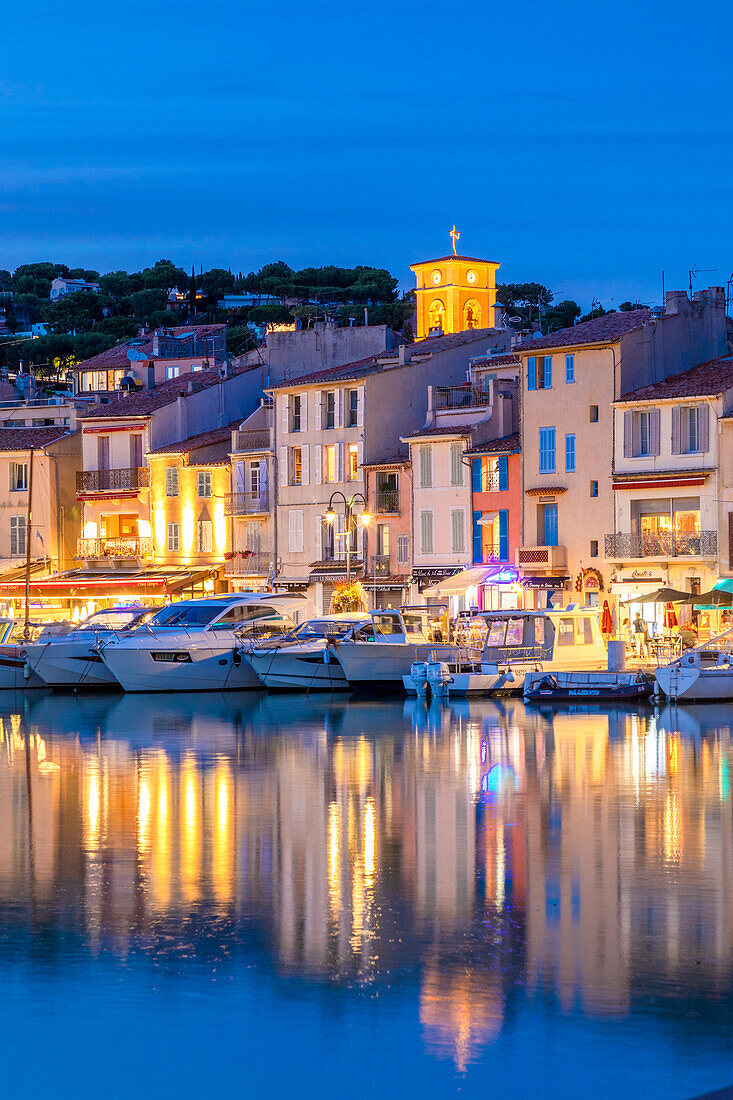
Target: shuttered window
column 18, row 476
column 403, row 549
column 171, row 481
column 204, row 542
column 295, row 531
column 569, row 368
column 570, row 454
column 547, row 450
column 204, row 483
column 426, row 467
column 546, row 375
column 426, row 533
column 17, row 535
column 641, row 433
column 173, row 537
column 532, row 372
column 456, row 465
column 458, row 530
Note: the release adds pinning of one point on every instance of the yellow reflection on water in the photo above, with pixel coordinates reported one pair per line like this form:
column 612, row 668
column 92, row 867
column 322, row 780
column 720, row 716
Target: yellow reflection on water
column 222, row 865
column 190, row 831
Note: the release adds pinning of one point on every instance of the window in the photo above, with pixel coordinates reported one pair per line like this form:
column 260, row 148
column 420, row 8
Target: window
column 546, row 376
column 204, row 483
column 296, row 466
column 328, row 540
column 171, row 481
column 295, row 411
column 594, row 488
column 594, row 414
column 458, row 530
column 403, row 549
column 173, row 537
column 172, row 372
column 255, row 479
column 456, row 465
column 532, row 372
column 18, row 477
column 549, row 528
column 382, row 540
column 690, row 429
column 352, row 463
column 641, row 433
column 569, row 368
column 295, row 531
column 353, row 408
column 17, row 535
column 426, row 467
column 594, row 548
column 570, row 454
column 547, row 450
column 329, row 462
column 204, row 541
column 330, row 409
column 426, row 532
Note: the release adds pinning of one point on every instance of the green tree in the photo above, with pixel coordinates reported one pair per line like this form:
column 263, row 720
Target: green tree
column 119, row 284
column 77, row 312
column 37, row 278
column 142, row 304
column 163, row 275
column 216, row 283
column 561, row 315
column 240, row 340
column 524, row 300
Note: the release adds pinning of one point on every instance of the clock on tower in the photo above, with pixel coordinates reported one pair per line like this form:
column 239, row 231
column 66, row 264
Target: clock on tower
column 454, row 293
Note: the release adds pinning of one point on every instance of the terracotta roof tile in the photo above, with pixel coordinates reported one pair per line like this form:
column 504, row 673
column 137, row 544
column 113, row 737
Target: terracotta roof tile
column 448, row 429
column 705, row 380
column 145, row 402
column 508, row 444
column 445, row 259
column 22, row 439
column 196, row 442
column 116, row 358
column 601, row 330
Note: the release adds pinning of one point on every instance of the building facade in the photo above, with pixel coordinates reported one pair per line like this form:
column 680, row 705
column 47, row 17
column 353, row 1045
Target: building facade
column 251, row 503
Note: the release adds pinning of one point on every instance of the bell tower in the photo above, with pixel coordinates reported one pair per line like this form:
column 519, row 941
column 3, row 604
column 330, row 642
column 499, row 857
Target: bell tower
column 454, row 293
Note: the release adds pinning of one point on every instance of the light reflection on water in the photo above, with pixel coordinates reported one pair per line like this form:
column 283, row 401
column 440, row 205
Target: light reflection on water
column 487, row 896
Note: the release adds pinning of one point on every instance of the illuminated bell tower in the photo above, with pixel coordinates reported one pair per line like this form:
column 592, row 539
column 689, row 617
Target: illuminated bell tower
column 454, row 293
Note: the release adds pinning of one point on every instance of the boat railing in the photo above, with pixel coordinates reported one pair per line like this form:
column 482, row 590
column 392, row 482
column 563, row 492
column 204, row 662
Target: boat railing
column 511, row 654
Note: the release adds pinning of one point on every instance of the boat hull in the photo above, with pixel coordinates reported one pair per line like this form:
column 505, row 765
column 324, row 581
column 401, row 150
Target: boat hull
column 384, row 664
column 695, row 684
column 207, row 668
column 65, row 665
column 283, row 671
column 14, row 673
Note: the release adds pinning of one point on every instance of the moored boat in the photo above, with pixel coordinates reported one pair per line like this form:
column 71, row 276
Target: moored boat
column 305, row 659
column 567, row 686
column 699, row 675
column 72, row 660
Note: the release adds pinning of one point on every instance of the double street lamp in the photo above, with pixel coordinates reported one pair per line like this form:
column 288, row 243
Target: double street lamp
column 348, row 507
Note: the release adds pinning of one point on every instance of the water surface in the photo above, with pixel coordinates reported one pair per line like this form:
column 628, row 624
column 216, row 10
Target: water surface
column 330, row 897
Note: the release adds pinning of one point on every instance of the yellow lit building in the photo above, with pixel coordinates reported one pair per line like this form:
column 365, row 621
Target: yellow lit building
column 454, row 293
column 189, row 490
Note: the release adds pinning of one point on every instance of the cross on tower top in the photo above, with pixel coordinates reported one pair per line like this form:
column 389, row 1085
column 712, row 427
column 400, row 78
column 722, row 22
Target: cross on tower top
column 455, row 234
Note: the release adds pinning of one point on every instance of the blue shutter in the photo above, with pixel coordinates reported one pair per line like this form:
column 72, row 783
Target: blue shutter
column 532, row 373
column 503, row 472
column 570, row 454
column 476, row 475
column 569, row 368
column 550, row 525
column 547, row 372
column 478, row 551
column 504, row 534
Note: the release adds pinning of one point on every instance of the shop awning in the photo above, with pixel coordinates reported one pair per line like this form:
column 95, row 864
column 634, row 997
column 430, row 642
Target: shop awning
column 89, row 585
column 459, row 583
column 660, row 595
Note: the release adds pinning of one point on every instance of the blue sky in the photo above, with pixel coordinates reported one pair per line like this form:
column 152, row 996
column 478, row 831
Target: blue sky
column 584, row 146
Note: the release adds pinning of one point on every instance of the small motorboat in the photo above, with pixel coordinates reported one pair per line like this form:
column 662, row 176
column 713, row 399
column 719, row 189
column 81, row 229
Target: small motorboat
column 561, row 687
column 72, row 660
column 699, row 675
column 305, row 659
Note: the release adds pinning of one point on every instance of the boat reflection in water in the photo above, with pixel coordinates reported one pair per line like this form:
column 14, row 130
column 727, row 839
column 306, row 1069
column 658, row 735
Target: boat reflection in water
column 496, row 870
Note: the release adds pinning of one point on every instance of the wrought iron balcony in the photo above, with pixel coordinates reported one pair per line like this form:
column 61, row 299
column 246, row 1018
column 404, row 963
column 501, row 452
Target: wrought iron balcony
column 248, row 563
column 388, row 501
column 662, row 544
column 246, row 504
column 132, row 547
column 380, row 565
column 103, row 481
column 460, row 397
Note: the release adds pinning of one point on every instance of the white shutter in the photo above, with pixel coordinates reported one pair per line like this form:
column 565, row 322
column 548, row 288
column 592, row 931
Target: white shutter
column 299, row 531
column 283, row 467
column 304, row 412
column 654, row 432
column 304, row 465
column 339, row 410
column 319, row 538
column 340, row 539
column 285, row 412
column 239, row 482
column 317, row 464
column 426, row 532
column 318, row 396
column 628, row 433
column 295, row 531
column 359, row 461
column 703, row 428
column 676, row 434
column 291, row 531
column 360, row 407
column 458, row 530
column 339, row 463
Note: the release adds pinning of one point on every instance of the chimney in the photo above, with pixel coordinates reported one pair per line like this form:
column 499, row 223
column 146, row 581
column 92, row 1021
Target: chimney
column 156, row 342
column 499, row 315
column 405, row 354
column 673, row 301
column 182, row 416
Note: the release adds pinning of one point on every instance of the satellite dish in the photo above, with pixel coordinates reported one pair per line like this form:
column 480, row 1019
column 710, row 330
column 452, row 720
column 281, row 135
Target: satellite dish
column 136, row 356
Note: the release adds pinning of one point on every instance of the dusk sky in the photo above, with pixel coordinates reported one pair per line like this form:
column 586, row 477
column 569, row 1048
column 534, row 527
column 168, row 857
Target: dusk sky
column 587, row 147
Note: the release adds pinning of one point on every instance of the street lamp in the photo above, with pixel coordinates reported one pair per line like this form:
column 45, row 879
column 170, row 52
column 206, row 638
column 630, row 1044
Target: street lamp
column 348, row 506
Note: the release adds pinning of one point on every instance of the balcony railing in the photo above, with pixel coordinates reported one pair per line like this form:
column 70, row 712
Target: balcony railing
column 461, row 397
column 251, row 439
column 380, row 565
column 388, row 501
column 541, row 557
column 662, row 544
column 248, row 564
column 103, row 481
column 132, row 547
column 246, row 504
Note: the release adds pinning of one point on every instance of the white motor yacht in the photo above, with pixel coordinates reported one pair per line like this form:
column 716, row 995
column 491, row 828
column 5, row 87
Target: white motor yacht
column 517, row 643
column 381, row 653
column 72, row 660
column 305, row 659
column 700, row 675
column 196, row 645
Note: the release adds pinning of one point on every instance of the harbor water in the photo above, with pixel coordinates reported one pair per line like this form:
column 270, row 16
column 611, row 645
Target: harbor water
column 326, row 897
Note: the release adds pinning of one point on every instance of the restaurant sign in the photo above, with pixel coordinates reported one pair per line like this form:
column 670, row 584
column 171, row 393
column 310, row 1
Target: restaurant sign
column 545, row 583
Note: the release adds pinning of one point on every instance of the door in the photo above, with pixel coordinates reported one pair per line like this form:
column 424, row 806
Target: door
column 550, row 531
column 136, row 451
column 103, row 452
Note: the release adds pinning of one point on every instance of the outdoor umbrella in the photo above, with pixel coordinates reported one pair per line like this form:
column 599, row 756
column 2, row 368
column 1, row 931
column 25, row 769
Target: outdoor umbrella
column 661, row 595
column 670, row 617
column 606, row 620
column 716, row 597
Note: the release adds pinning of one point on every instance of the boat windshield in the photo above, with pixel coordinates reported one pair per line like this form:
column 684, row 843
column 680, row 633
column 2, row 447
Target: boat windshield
column 194, row 614
column 324, row 628
column 116, row 618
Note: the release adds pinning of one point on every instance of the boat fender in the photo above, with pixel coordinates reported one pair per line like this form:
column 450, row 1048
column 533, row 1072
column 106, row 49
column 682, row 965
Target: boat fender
column 237, row 658
column 26, row 670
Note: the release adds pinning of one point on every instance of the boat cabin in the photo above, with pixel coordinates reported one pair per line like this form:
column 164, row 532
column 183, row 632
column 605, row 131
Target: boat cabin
column 571, row 637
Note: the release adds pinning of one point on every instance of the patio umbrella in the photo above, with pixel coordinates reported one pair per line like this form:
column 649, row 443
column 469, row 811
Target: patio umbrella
column 716, row 597
column 661, row 595
column 670, row 617
column 606, row 620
